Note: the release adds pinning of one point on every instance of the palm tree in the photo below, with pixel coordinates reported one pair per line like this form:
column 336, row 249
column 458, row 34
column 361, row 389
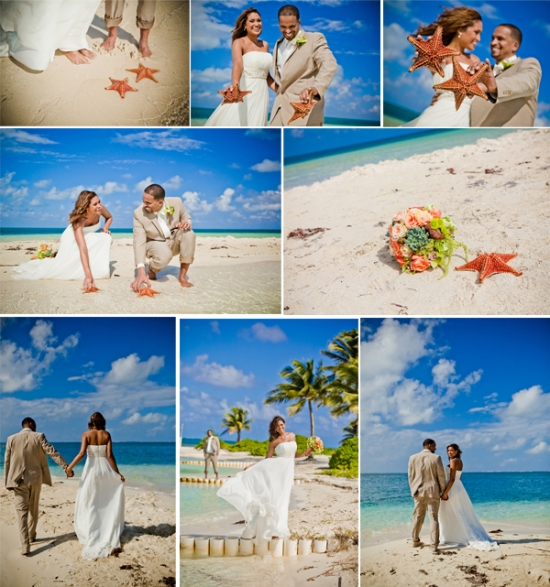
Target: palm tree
column 305, row 385
column 350, row 431
column 237, row 420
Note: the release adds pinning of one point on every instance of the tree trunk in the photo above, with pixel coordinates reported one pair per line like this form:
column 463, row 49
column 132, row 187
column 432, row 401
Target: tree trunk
column 311, row 423
column 238, row 436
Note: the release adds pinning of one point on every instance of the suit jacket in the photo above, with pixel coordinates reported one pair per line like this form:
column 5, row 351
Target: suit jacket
column 147, row 227
column 215, row 445
column 25, row 462
column 426, row 475
column 516, row 104
column 309, row 65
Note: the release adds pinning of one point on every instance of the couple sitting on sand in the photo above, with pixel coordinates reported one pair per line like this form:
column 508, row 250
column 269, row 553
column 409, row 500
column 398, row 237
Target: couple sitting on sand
column 162, row 229
column 442, row 493
column 31, row 32
column 99, row 505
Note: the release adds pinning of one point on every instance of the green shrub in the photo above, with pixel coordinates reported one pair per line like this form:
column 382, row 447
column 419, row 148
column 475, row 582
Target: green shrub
column 345, row 461
column 255, row 447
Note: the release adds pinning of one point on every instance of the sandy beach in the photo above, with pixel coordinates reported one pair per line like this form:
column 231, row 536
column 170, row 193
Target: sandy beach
column 230, row 276
column 71, row 95
column 496, row 192
column 320, row 505
column 148, row 543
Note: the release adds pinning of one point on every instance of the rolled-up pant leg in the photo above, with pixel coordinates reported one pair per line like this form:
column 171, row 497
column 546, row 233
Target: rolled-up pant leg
column 159, row 254
column 145, row 16
column 114, row 10
column 183, row 243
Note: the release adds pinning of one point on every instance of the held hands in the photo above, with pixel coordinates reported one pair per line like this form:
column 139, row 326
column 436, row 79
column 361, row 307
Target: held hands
column 444, row 496
column 69, row 472
column 487, row 80
column 122, row 477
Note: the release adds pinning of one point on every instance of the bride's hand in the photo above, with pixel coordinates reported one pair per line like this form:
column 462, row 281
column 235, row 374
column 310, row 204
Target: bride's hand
column 69, row 472
column 122, row 477
column 88, row 283
column 106, row 231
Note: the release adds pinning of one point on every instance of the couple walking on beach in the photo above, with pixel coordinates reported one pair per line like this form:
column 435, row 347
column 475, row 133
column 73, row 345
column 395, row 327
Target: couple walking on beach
column 161, row 229
column 440, row 491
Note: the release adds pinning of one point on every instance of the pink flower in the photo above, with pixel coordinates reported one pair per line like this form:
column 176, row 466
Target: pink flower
column 423, row 217
column 397, row 252
column 410, row 219
column 418, row 263
column 399, row 217
column 398, row 231
column 435, row 213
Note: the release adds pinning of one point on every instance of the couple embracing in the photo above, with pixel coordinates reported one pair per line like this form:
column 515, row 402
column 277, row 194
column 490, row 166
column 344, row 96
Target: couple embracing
column 303, row 68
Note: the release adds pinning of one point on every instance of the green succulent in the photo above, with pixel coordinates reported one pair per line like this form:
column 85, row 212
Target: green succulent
column 417, row 238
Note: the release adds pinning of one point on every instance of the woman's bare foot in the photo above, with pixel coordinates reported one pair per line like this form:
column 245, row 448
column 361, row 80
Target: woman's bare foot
column 87, row 53
column 144, row 43
column 76, row 57
column 110, row 42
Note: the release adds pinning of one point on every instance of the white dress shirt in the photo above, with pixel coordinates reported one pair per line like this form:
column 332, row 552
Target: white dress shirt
column 161, row 217
column 209, row 445
column 284, row 51
column 499, row 67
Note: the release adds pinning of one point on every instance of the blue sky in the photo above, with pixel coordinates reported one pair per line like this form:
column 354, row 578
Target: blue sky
column 227, row 363
column 60, row 371
column 415, row 90
column 352, row 29
column 227, row 178
column 482, row 383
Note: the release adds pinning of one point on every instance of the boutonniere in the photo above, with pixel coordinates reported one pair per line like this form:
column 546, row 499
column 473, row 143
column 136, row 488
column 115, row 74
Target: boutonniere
column 169, row 210
column 507, row 64
column 299, row 40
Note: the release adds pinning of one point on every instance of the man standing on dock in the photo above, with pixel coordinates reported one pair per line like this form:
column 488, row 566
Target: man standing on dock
column 211, row 451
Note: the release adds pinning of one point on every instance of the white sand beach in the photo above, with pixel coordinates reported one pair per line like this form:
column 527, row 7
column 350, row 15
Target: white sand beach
column 496, row 192
column 148, row 543
column 230, row 276
column 74, row 95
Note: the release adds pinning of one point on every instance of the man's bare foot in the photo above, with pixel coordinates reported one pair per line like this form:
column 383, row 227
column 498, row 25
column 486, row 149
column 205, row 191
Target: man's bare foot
column 87, row 53
column 152, row 275
column 110, row 42
column 76, row 57
column 144, row 43
column 184, row 281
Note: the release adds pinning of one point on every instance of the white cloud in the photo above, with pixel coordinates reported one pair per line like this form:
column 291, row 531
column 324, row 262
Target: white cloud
column 22, row 136
column 13, row 189
column 267, row 166
column 131, row 370
column 43, row 183
column 212, row 74
column 297, row 133
column 68, row 193
column 109, row 187
column 208, row 31
column 194, row 203
column 173, row 183
column 531, row 402
column 266, row 200
column 215, row 325
column 396, row 44
column 150, row 418
column 224, row 201
column 541, row 447
column 268, row 333
column 168, row 140
column 216, row 374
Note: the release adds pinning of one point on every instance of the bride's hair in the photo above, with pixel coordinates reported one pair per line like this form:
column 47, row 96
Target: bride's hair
column 81, row 206
column 452, row 20
column 240, row 24
column 455, row 447
column 273, row 434
column 97, row 421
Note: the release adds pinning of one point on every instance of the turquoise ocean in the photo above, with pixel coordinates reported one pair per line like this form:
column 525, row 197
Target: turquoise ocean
column 145, row 465
column 515, row 498
column 307, row 169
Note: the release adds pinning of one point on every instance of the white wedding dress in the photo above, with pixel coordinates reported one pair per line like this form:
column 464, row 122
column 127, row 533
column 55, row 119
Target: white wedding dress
column 444, row 113
column 32, row 30
column 459, row 524
column 99, row 506
column 262, row 494
column 252, row 111
column 67, row 264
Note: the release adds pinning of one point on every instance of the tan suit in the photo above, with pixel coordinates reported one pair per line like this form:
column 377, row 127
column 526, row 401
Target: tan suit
column 311, row 65
column 25, row 469
column 211, row 457
column 145, row 16
column 427, row 483
column 149, row 239
column 516, row 104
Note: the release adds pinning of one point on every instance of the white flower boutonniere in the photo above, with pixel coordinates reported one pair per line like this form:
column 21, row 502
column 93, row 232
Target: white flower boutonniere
column 507, row 64
column 299, row 39
column 169, row 210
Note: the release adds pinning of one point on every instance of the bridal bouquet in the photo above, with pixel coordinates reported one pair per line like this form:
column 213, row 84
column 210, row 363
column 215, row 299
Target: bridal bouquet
column 315, row 443
column 421, row 237
column 43, row 251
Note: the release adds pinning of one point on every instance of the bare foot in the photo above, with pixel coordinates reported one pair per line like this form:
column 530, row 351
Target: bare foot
column 87, row 53
column 76, row 57
column 184, row 282
column 152, row 275
column 110, row 42
column 144, row 43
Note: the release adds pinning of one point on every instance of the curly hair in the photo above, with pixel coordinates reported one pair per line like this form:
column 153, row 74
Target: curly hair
column 273, row 434
column 455, row 447
column 81, row 206
column 452, row 20
column 97, row 421
column 240, row 24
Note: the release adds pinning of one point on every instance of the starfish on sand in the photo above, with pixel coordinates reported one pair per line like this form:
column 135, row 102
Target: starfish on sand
column 144, row 73
column 147, row 291
column 488, row 264
column 301, row 110
column 91, row 289
column 463, row 84
column 431, row 52
column 232, row 97
column 121, row 86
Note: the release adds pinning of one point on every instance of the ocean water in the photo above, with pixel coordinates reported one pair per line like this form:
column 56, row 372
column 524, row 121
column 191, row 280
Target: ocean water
column 145, row 465
column 199, row 504
column 387, row 505
column 308, row 169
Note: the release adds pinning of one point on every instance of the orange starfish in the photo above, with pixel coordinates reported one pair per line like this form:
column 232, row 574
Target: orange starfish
column 91, row 289
column 301, row 110
column 232, row 97
column 147, row 291
column 463, row 84
column 121, row 86
column 489, row 264
column 431, row 52
column 144, row 72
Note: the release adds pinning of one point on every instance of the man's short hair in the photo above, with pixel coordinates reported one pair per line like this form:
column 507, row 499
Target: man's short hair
column 428, row 442
column 155, row 190
column 515, row 32
column 288, row 10
column 28, row 422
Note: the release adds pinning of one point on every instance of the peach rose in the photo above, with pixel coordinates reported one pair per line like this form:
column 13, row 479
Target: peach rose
column 423, row 217
column 397, row 252
column 410, row 218
column 435, row 213
column 418, row 263
column 398, row 231
column 406, row 252
column 399, row 217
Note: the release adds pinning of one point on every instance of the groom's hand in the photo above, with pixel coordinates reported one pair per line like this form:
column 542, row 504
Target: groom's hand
column 304, row 94
column 487, row 77
column 140, row 279
column 184, row 225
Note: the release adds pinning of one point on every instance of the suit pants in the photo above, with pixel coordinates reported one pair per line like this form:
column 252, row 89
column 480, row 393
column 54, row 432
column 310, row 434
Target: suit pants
column 160, row 253
column 421, row 504
column 145, row 16
column 27, row 498
column 210, row 458
column 277, row 120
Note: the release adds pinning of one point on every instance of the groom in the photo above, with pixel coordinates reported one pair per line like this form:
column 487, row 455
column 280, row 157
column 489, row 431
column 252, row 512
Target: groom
column 162, row 229
column 25, row 470
column 427, row 483
column 302, row 64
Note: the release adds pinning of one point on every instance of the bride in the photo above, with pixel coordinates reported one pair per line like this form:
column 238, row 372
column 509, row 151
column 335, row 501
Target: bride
column 262, row 491
column 83, row 252
column 251, row 65
column 459, row 523
column 99, row 506
column 462, row 28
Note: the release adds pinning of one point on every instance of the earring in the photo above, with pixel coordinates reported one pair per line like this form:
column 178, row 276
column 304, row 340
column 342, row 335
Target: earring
column 459, row 35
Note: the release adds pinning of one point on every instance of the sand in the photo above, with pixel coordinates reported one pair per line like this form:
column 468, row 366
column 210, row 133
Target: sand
column 348, row 269
column 148, row 543
column 230, row 276
column 320, row 505
column 74, row 95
